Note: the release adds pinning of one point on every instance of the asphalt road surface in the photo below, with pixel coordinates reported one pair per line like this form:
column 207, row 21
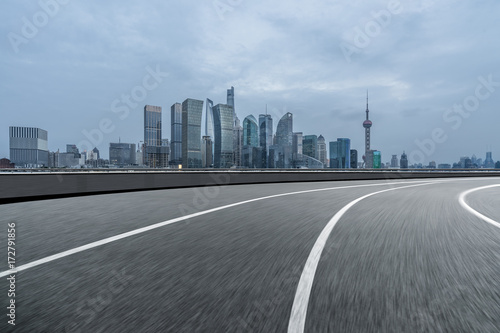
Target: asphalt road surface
column 358, row 256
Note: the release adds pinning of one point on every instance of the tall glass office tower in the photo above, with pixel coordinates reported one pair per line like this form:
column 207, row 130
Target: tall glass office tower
column 192, row 110
column 223, row 131
column 250, row 141
column 310, row 146
column 209, row 119
column 250, row 132
column 284, row 131
column 230, row 101
column 28, row 146
column 176, row 134
column 152, row 135
column 284, row 140
column 265, row 136
column 340, row 153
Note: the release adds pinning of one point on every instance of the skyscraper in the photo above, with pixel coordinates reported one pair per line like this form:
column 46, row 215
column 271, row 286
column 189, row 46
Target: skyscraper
column 284, row 130
column 230, row 101
column 72, row 148
column 340, row 153
column 237, row 142
column 265, row 136
column 176, row 134
column 152, row 135
column 209, row 119
column 321, row 151
column 192, row 110
column 206, row 152
column 297, row 148
column 250, row 140
column 488, row 162
column 367, row 124
column 284, row 140
column 394, row 161
column 28, row 146
column 223, row 131
column 377, row 159
column 310, row 146
column 237, row 130
column 354, row 159
column 403, row 162
column 334, row 155
column 250, row 131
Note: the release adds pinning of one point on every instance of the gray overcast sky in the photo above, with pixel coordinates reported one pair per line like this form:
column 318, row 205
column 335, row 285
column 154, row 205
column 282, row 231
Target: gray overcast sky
column 315, row 59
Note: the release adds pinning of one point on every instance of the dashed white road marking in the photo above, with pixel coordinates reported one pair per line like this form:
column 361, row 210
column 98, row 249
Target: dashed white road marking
column 461, row 200
column 298, row 314
column 179, row 219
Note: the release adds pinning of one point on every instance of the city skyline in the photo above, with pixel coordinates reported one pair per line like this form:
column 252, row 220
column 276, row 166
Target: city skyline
column 281, row 135
column 420, row 81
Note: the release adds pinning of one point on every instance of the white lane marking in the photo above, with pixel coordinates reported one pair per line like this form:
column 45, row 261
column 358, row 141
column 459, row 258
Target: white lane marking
column 182, row 218
column 461, row 200
column 298, row 314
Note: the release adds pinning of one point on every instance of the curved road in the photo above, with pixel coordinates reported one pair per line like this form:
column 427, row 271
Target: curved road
column 364, row 256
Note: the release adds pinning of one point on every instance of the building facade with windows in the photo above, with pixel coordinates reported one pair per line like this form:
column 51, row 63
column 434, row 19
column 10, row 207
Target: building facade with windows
column 28, row 147
column 176, row 134
column 192, row 110
column 223, row 131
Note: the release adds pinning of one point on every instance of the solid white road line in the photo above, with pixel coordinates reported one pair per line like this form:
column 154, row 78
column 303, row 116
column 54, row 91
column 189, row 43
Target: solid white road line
column 298, row 314
column 182, row 218
column 461, row 200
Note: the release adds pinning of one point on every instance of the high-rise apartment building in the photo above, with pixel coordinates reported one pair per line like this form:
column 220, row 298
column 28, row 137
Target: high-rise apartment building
column 28, row 146
column 176, row 134
column 192, row 110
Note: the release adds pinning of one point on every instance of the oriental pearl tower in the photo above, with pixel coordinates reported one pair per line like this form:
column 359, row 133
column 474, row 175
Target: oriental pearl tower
column 367, row 124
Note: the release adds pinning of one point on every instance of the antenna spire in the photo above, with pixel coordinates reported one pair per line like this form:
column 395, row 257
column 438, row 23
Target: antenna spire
column 367, row 104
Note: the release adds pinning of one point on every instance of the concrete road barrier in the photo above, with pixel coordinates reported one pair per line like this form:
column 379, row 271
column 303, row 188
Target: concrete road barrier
column 28, row 185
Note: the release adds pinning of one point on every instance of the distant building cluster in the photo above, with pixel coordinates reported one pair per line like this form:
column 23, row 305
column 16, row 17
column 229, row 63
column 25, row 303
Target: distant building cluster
column 225, row 143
